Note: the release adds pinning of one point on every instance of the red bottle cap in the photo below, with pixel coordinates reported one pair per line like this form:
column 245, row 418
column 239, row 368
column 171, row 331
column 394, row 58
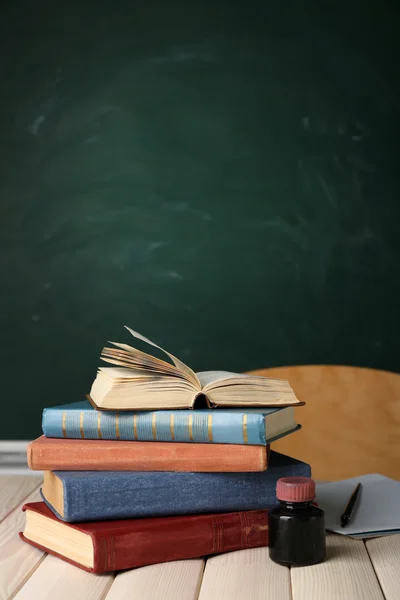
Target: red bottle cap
column 295, row 489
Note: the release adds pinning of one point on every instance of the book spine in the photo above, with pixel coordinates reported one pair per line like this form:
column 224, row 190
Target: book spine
column 46, row 454
column 180, row 538
column 163, row 426
column 177, row 493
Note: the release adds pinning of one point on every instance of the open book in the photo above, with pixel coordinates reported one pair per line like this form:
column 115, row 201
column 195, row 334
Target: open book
column 140, row 381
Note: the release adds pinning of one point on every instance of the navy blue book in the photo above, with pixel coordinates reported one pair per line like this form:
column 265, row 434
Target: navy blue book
column 75, row 496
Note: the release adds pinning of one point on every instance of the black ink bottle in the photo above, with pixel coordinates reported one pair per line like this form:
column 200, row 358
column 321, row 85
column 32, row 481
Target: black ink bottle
column 296, row 526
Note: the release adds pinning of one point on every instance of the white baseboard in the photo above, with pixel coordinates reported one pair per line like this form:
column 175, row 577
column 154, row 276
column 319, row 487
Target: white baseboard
column 13, row 458
column 19, row 471
column 13, row 445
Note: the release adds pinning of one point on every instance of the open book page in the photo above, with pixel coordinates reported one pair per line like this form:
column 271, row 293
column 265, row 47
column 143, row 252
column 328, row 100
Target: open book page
column 208, row 378
column 178, row 363
column 214, row 379
column 231, row 389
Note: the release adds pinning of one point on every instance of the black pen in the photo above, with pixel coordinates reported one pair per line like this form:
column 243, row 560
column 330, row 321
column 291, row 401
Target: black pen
column 349, row 510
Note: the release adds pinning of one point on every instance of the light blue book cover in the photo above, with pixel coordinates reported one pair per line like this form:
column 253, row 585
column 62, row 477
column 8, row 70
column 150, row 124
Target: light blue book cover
column 104, row 495
column 218, row 426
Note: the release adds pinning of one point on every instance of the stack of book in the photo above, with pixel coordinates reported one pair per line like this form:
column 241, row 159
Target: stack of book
column 159, row 464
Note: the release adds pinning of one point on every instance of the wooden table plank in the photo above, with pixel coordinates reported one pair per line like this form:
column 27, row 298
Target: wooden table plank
column 347, row 573
column 13, row 489
column 55, row 578
column 168, row 581
column 17, row 559
column 245, row 574
column 27, row 574
column 385, row 556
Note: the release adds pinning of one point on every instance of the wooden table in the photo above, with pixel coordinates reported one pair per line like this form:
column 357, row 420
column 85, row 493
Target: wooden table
column 353, row 571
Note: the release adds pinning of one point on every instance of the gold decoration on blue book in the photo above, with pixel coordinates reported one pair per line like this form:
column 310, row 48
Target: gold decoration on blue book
column 171, row 426
column 81, row 429
column 190, row 424
column 99, row 426
column 245, row 436
column 209, row 424
column 63, row 424
column 141, row 381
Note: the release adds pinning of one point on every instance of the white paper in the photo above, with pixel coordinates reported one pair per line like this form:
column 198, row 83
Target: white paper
column 377, row 509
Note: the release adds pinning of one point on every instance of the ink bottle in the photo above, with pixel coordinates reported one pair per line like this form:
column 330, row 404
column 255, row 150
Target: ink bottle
column 296, row 526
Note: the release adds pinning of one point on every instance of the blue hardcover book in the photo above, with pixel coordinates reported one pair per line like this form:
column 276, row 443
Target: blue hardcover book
column 218, row 426
column 89, row 495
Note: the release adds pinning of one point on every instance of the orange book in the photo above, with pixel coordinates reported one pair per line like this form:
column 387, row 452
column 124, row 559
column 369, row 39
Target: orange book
column 54, row 454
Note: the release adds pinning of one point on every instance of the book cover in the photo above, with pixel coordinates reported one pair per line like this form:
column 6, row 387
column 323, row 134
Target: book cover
column 222, row 426
column 52, row 454
column 125, row 544
column 102, row 495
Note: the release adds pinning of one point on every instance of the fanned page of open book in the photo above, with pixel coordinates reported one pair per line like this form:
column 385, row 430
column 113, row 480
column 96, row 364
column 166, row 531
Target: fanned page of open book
column 140, row 381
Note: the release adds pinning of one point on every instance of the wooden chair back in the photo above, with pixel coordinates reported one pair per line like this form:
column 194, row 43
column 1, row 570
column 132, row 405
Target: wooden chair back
column 350, row 423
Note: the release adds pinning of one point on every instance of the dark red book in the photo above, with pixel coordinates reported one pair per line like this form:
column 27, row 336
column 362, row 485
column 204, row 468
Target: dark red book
column 103, row 546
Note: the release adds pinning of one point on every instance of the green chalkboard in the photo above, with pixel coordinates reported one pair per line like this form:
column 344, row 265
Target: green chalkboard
column 221, row 176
